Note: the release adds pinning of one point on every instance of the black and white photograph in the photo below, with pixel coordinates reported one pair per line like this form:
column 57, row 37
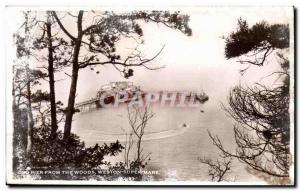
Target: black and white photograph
column 200, row 95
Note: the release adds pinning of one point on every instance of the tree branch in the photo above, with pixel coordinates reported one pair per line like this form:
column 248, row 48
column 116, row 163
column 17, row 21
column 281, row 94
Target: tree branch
column 62, row 26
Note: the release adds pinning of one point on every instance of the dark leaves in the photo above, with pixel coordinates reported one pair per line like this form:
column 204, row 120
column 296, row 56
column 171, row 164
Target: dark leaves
column 258, row 37
column 173, row 20
column 128, row 73
column 39, row 96
column 20, row 42
column 59, row 153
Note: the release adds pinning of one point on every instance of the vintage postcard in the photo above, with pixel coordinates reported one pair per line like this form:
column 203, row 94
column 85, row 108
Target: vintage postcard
column 150, row 96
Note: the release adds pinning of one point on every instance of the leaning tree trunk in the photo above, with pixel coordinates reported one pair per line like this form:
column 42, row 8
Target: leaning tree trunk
column 54, row 126
column 72, row 94
column 75, row 69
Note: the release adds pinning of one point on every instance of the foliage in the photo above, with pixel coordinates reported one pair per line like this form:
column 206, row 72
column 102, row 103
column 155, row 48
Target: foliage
column 259, row 36
column 262, row 133
column 19, row 138
column 129, row 171
column 57, row 153
column 23, row 76
column 109, row 29
column 262, row 129
column 174, row 20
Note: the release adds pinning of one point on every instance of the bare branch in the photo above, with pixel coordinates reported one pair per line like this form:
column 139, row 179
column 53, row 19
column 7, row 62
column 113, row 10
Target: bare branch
column 62, row 26
column 125, row 63
column 218, row 169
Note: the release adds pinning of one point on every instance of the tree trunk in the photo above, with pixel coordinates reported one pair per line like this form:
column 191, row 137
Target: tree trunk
column 14, row 105
column 75, row 69
column 54, row 126
column 29, row 114
column 72, row 94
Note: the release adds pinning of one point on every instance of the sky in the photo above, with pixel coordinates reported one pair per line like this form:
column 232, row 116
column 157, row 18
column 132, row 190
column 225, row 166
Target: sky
column 192, row 63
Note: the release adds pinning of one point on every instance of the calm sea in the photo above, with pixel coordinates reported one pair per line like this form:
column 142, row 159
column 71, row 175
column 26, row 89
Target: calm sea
column 174, row 148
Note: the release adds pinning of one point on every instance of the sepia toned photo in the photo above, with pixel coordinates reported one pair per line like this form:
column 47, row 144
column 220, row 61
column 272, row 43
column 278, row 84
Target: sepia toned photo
column 142, row 96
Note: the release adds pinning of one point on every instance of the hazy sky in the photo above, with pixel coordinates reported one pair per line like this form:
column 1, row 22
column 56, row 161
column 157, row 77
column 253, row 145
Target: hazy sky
column 192, row 63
